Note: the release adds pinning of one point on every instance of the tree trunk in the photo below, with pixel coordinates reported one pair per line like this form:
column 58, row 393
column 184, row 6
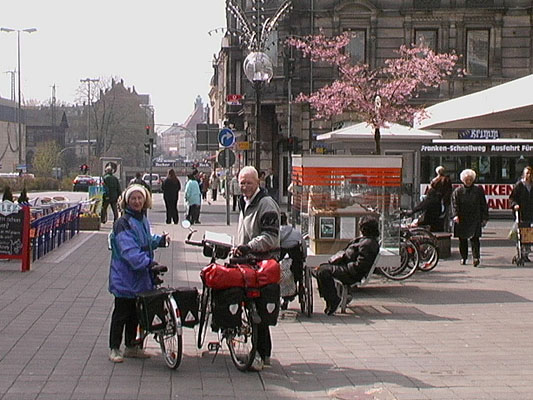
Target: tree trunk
column 377, row 139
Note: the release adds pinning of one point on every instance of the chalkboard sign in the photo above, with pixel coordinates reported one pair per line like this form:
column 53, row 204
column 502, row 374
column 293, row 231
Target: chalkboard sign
column 15, row 233
column 11, row 233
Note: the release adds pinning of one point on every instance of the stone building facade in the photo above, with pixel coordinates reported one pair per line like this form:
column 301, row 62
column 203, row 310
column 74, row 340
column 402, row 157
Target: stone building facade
column 494, row 38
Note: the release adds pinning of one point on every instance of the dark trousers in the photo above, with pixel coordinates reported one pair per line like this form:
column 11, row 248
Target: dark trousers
column 235, row 201
column 103, row 215
column 214, row 194
column 172, row 210
column 264, row 342
column 124, row 319
column 326, row 285
column 463, row 247
column 193, row 214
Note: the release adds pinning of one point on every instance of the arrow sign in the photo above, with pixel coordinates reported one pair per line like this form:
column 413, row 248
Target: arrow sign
column 226, row 137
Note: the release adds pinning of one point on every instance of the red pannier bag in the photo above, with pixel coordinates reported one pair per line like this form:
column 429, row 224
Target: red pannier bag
column 217, row 276
column 268, row 272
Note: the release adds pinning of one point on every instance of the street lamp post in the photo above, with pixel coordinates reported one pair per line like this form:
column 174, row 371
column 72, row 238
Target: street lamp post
column 258, row 69
column 89, row 81
column 19, row 110
column 257, row 65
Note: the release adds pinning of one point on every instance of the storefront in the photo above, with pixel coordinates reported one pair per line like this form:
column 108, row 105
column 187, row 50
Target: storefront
column 497, row 162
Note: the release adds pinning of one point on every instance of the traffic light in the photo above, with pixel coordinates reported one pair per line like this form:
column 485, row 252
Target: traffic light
column 147, row 148
column 294, row 144
column 147, row 127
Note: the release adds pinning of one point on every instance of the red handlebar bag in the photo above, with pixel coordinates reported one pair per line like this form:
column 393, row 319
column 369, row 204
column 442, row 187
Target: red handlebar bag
column 217, row 276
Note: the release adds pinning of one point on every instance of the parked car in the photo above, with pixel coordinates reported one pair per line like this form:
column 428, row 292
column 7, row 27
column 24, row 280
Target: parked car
column 156, row 181
column 82, row 182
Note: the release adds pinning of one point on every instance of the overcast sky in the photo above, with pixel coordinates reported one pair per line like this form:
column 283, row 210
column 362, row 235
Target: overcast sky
column 161, row 47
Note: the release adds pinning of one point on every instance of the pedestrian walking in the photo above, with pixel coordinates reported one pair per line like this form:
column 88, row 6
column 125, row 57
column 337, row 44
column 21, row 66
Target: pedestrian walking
column 258, row 233
column 204, row 186
column 235, row 190
column 193, row 200
column 271, row 185
column 214, row 182
column 470, row 214
column 139, row 181
column 443, row 185
column 132, row 258
column 111, row 194
column 171, row 188
column 432, row 211
column 522, row 201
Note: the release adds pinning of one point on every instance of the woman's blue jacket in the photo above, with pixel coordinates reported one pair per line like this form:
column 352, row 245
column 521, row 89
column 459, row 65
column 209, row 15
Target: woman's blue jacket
column 132, row 255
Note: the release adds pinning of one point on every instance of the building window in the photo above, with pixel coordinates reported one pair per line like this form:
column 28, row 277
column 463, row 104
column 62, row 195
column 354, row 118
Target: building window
column 426, row 4
column 479, row 3
column 427, row 37
column 477, row 52
column 356, row 48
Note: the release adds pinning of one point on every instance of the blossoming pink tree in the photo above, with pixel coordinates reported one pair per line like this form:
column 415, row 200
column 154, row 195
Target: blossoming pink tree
column 375, row 96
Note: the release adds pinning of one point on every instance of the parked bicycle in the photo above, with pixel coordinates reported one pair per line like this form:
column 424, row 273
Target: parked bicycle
column 159, row 315
column 234, row 309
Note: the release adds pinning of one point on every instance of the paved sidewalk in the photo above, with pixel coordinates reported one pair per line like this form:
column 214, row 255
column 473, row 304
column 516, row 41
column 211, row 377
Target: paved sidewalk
column 457, row 332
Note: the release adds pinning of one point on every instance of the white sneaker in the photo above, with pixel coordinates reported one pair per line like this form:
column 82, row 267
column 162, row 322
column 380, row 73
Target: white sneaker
column 257, row 364
column 115, row 356
column 135, row 352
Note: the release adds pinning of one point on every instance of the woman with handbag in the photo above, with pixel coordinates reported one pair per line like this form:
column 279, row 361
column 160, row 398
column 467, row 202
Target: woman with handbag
column 349, row 266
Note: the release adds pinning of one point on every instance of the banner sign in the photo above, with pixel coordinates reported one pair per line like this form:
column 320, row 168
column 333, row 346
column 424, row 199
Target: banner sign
column 477, row 148
column 479, row 134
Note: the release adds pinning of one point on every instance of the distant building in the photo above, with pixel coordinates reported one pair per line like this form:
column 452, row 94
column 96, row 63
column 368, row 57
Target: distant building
column 179, row 141
column 9, row 135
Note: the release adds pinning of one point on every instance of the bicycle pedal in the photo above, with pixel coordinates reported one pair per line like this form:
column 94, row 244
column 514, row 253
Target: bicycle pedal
column 214, row 346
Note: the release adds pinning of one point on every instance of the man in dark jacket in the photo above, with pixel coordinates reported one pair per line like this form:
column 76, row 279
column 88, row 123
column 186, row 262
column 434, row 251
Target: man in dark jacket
column 355, row 264
column 432, row 212
column 111, row 194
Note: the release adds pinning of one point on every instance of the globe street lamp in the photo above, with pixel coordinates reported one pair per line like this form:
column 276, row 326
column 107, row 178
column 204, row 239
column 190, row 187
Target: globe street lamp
column 257, row 65
column 19, row 111
column 258, row 69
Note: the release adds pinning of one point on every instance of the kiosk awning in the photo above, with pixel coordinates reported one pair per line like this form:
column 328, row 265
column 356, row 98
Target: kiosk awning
column 364, row 132
column 509, row 105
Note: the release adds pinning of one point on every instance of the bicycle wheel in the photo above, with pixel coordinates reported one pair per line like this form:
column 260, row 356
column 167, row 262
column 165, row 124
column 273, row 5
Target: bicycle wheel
column 429, row 255
column 409, row 260
column 308, row 292
column 205, row 316
column 242, row 341
column 170, row 339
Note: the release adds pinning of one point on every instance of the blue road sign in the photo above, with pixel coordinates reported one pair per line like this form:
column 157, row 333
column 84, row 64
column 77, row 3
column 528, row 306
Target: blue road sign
column 226, row 137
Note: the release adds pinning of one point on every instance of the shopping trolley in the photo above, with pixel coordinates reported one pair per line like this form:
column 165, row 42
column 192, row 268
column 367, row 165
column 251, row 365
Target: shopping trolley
column 524, row 241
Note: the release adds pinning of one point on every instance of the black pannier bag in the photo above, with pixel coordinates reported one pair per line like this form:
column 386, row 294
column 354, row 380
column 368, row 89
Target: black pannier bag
column 188, row 304
column 150, row 309
column 227, row 307
column 268, row 304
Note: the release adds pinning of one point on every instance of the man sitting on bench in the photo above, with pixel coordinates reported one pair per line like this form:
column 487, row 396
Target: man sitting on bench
column 349, row 266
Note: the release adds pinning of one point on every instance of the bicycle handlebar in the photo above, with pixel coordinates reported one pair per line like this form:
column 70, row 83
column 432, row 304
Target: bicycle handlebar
column 194, row 243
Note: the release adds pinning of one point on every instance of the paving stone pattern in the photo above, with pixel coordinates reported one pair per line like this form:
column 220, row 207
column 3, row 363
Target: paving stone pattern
column 457, row 332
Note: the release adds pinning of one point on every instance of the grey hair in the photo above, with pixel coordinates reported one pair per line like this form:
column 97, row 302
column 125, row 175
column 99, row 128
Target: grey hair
column 249, row 170
column 468, row 172
column 440, row 170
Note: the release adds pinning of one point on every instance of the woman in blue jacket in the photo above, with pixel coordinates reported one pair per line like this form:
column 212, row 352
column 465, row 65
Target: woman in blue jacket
column 132, row 257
